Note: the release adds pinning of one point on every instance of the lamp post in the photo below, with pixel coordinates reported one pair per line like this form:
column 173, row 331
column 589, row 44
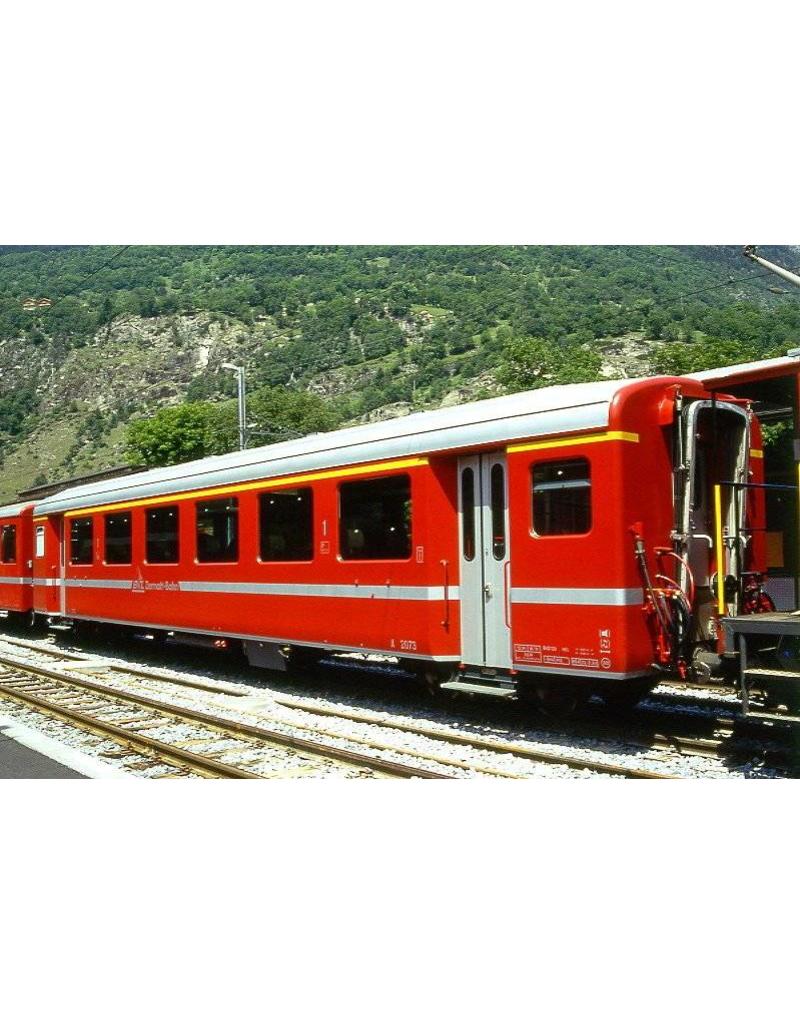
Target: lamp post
column 239, row 371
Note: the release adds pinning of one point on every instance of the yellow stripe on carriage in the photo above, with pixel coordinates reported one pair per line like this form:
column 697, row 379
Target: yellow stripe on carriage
column 563, row 442
column 256, row 485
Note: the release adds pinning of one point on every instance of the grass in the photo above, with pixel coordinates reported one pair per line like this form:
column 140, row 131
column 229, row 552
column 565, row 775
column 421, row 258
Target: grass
column 436, row 312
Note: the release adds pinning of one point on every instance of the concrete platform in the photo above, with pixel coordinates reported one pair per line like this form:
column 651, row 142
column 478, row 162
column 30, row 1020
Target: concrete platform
column 20, row 762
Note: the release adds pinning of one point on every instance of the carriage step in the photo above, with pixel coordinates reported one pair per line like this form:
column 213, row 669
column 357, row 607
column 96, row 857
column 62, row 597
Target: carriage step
column 61, row 627
column 777, row 673
column 469, row 686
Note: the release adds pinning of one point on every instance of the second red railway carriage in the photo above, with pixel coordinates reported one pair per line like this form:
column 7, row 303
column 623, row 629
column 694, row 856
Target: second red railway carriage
column 571, row 533
column 16, row 554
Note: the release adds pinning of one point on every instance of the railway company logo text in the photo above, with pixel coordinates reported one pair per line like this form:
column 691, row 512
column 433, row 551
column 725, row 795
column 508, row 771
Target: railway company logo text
column 145, row 586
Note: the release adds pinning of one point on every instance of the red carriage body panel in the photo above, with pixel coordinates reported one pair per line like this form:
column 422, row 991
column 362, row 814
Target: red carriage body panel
column 16, row 592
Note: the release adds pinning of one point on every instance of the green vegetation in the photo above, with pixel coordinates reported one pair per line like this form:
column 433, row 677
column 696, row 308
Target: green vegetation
column 14, row 410
column 193, row 430
column 335, row 333
column 534, row 363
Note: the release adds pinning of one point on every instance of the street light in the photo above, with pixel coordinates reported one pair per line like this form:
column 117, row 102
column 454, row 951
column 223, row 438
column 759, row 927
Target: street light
column 239, row 371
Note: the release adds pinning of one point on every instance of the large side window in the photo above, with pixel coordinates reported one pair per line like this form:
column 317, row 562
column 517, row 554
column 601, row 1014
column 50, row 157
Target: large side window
column 118, row 538
column 562, row 497
column 375, row 518
column 8, row 544
column 81, row 538
column 161, row 535
column 218, row 530
column 286, row 524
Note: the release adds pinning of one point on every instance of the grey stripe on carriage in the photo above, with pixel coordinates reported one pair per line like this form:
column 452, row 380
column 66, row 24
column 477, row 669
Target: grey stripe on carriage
column 386, row 591
column 578, row 595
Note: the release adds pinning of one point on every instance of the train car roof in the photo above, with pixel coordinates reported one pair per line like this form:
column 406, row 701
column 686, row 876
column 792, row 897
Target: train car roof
column 9, row 511
column 559, row 409
column 745, row 373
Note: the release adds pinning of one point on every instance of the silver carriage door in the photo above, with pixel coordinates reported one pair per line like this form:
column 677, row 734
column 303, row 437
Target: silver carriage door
column 485, row 561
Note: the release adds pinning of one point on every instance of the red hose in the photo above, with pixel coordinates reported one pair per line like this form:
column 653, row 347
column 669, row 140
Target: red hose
column 689, row 575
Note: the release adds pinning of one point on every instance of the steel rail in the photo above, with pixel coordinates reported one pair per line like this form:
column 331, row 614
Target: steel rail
column 227, row 726
column 500, row 747
column 172, row 755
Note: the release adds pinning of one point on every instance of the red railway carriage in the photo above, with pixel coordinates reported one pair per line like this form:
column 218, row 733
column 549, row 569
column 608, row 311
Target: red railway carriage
column 574, row 532
column 16, row 591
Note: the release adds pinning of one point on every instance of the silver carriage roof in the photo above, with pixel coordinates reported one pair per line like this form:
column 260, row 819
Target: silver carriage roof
column 560, row 409
column 9, row 511
column 761, row 369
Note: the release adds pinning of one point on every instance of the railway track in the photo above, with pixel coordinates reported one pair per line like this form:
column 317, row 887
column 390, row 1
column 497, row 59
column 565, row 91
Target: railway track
column 66, row 676
column 126, row 718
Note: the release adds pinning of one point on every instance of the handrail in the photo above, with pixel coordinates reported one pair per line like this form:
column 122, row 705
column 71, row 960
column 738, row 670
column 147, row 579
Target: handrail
column 507, row 593
column 446, row 620
column 720, row 548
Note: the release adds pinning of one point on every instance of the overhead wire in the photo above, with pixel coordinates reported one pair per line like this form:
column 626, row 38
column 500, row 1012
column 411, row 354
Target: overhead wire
column 723, row 284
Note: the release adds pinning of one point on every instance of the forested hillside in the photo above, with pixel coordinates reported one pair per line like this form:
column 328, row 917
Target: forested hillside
column 337, row 334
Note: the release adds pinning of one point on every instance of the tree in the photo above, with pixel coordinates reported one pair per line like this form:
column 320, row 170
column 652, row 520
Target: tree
column 535, row 363
column 194, row 430
column 178, row 433
column 677, row 359
column 278, row 413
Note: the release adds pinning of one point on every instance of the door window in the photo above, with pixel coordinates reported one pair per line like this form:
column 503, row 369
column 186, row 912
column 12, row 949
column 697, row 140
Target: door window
column 468, row 512
column 498, row 500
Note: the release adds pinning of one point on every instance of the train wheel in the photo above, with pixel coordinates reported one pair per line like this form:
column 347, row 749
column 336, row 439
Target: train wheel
column 625, row 697
column 430, row 679
column 560, row 699
column 789, row 696
column 304, row 660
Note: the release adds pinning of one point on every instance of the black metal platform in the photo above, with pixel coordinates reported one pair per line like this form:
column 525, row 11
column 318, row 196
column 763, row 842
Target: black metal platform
column 774, row 623
column 738, row 628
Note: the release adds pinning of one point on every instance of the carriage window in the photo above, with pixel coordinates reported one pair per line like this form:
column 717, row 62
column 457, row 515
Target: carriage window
column 162, row 534
column 8, row 544
column 468, row 513
column 498, row 497
column 287, row 525
column 375, row 518
column 81, row 536
column 218, row 530
column 118, row 538
column 39, row 542
column 562, row 493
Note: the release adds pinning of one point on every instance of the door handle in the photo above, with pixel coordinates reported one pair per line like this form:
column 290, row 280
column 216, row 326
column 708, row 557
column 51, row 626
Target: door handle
column 487, row 590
